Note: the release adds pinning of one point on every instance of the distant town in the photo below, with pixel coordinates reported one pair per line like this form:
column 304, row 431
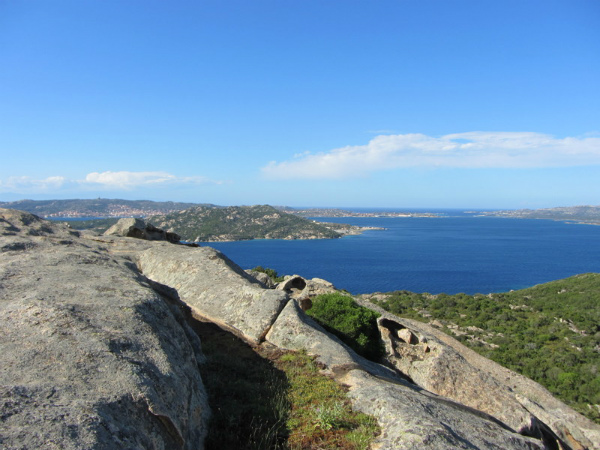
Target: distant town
column 585, row 214
column 112, row 211
column 97, row 208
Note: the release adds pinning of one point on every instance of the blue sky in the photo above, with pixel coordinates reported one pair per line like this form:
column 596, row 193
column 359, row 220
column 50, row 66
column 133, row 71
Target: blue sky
column 404, row 103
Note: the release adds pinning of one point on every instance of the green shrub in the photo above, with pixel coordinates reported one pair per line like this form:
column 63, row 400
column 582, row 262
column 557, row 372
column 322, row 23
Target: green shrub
column 353, row 324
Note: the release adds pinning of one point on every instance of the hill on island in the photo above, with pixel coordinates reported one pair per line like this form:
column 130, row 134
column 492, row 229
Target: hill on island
column 234, row 223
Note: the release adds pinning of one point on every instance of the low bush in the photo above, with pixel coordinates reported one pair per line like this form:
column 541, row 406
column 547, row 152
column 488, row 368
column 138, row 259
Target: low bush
column 355, row 325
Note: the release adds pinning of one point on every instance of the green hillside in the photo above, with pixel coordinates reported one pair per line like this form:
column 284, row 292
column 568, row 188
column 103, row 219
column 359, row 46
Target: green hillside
column 235, row 223
column 549, row 333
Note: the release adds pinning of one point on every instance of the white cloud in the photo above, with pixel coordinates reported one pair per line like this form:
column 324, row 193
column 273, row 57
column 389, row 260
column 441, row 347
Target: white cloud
column 28, row 184
column 128, row 180
column 131, row 180
column 461, row 150
column 121, row 180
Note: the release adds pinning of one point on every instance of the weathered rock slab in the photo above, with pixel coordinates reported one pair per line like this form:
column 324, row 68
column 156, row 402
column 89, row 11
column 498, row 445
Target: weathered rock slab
column 215, row 288
column 409, row 416
column 91, row 356
column 418, row 420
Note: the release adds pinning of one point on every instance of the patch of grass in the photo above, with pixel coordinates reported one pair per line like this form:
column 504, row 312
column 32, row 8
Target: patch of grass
column 329, row 417
column 321, row 415
column 266, row 399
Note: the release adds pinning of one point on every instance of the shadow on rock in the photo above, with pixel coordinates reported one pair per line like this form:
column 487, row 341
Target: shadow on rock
column 247, row 394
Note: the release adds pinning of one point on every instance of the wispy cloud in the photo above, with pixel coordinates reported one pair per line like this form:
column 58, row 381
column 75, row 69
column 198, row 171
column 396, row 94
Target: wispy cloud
column 102, row 181
column 131, row 180
column 476, row 149
column 28, row 184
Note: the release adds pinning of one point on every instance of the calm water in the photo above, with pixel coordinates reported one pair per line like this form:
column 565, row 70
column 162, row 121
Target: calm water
column 459, row 253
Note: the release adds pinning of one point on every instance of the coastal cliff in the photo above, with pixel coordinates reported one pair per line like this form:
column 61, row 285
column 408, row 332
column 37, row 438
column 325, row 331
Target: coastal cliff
column 98, row 352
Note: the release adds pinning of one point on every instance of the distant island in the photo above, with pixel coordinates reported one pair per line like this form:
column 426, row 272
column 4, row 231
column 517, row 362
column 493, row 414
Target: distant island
column 336, row 212
column 578, row 214
column 236, row 223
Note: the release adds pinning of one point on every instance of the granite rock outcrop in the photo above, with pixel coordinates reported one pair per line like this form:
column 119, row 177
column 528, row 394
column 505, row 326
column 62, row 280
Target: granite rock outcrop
column 91, row 355
column 440, row 364
column 215, row 288
column 265, row 279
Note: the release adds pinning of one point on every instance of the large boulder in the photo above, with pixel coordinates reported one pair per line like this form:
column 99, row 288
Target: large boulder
column 215, row 288
column 137, row 228
column 92, row 356
column 300, row 287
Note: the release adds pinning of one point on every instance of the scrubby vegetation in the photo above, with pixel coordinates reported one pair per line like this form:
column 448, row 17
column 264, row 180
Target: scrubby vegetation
column 549, row 333
column 353, row 324
column 268, row 399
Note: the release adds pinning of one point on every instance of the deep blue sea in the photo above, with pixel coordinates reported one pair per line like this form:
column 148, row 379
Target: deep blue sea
column 455, row 253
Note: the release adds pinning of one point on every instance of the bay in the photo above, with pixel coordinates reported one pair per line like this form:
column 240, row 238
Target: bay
column 455, row 253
